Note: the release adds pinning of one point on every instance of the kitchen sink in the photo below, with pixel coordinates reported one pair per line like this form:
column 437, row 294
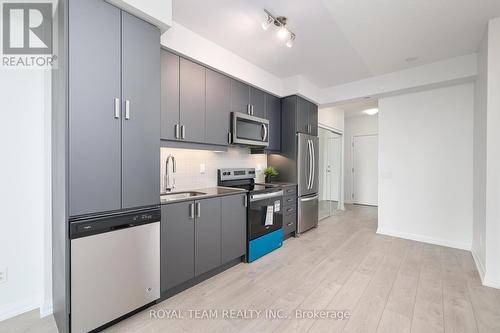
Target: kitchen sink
column 180, row 195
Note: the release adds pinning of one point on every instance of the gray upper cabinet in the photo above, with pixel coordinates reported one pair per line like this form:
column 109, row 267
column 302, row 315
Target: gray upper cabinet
column 273, row 113
column 307, row 116
column 240, row 96
column 234, row 222
column 302, row 115
column 258, row 102
column 177, row 244
column 141, row 112
column 217, row 117
column 313, row 119
column 192, row 101
column 169, row 95
column 207, row 235
column 94, row 88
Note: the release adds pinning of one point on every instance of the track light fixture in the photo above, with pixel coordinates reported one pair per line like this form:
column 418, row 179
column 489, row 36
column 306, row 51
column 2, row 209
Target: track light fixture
column 280, row 23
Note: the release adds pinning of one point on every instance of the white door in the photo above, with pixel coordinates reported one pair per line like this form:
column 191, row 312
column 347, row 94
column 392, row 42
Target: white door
column 365, row 169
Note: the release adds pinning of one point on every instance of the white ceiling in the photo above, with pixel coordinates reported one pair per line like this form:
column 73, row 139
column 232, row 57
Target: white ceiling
column 341, row 41
column 356, row 108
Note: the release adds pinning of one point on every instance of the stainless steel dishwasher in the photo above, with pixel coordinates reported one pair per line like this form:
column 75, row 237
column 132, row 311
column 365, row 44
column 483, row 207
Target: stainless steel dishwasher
column 115, row 267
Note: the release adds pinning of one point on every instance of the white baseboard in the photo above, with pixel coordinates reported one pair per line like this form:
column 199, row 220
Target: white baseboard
column 425, row 239
column 479, row 265
column 487, row 282
column 46, row 309
column 16, row 308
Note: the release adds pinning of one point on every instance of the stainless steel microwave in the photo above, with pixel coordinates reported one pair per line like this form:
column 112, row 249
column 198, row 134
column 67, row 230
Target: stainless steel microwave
column 249, row 130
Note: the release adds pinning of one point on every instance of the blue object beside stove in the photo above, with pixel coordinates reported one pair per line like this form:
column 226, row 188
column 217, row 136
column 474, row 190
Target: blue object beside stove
column 263, row 245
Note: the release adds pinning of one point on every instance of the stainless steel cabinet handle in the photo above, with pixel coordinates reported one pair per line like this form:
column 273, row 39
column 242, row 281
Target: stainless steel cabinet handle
column 127, row 109
column 183, row 132
column 249, row 111
column 117, row 108
column 228, row 137
column 245, row 200
column 290, row 224
column 191, row 211
column 198, row 209
column 176, row 129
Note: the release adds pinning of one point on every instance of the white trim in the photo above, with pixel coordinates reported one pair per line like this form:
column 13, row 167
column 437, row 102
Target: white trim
column 46, row 309
column 479, row 264
column 425, row 239
column 491, row 283
column 16, row 308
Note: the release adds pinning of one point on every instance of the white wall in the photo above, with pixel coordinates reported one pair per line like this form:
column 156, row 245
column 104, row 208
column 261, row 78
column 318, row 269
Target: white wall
column 332, row 117
column 354, row 126
column 188, row 161
column 425, row 158
column 25, row 111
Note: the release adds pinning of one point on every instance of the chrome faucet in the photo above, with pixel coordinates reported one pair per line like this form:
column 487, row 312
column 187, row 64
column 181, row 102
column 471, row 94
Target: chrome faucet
column 170, row 178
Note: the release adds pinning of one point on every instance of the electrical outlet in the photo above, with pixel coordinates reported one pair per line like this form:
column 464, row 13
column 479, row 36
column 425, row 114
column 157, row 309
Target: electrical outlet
column 202, row 168
column 3, row 274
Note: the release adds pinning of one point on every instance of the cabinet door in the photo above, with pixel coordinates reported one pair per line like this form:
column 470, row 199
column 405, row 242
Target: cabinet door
column 240, row 96
column 94, row 130
column 273, row 113
column 207, row 235
column 302, row 115
column 218, row 92
column 234, row 223
column 258, row 102
column 169, row 95
column 141, row 123
column 177, row 244
column 313, row 119
column 192, row 101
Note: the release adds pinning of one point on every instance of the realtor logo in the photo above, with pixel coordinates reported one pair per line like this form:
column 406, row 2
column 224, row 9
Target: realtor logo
column 27, row 28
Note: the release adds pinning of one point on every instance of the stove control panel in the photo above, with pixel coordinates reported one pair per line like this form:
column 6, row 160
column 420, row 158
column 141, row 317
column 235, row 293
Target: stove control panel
column 235, row 174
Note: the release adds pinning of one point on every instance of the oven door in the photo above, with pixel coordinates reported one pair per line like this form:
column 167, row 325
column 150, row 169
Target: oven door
column 258, row 206
column 249, row 130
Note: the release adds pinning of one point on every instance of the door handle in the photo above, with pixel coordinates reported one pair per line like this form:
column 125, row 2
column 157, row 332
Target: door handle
column 309, row 144
column 249, row 109
column 264, row 129
column 127, row 109
column 176, row 129
column 309, row 199
column 183, row 132
column 198, row 209
column 117, row 108
column 245, row 201
column 313, row 164
column 191, row 211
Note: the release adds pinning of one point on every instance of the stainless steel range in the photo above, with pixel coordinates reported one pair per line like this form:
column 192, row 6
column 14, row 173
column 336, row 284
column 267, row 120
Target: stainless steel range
column 264, row 214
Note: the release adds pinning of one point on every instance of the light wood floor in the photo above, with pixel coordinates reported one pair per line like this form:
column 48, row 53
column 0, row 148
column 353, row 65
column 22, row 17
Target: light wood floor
column 387, row 284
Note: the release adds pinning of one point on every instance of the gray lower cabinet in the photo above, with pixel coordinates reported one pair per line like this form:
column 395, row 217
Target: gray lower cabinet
column 113, row 144
column 218, row 105
column 207, row 235
column 258, row 102
column 198, row 236
column 192, row 101
column 273, row 114
column 234, row 223
column 177, row 244
column 169, row 96
column 141, row 112
column 94, row 131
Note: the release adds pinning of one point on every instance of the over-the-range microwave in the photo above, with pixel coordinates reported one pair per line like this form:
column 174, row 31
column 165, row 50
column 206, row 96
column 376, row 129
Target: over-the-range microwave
column 249, row 130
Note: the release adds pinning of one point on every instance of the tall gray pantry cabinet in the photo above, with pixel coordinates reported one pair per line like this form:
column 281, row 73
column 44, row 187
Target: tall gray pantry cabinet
column 105, row 123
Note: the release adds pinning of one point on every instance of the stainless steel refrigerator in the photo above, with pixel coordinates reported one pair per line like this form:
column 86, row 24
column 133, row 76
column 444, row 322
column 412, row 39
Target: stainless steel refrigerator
column 298, row 163
column 307, row 181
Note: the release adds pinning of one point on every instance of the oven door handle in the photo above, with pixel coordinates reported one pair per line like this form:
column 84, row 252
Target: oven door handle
column 256, row 197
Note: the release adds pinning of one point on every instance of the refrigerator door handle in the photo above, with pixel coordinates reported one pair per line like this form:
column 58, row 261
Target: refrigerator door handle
column 309, row 199
column 313, row 170
column 310, row 153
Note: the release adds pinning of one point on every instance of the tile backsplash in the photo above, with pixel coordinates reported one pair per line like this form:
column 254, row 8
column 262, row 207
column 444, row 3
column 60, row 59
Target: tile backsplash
column 190, row 162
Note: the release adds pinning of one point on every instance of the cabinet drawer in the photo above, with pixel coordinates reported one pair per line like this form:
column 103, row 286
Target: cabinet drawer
column 289, row 190
column 289, row 224
column 289, row 200
column 289, row 210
